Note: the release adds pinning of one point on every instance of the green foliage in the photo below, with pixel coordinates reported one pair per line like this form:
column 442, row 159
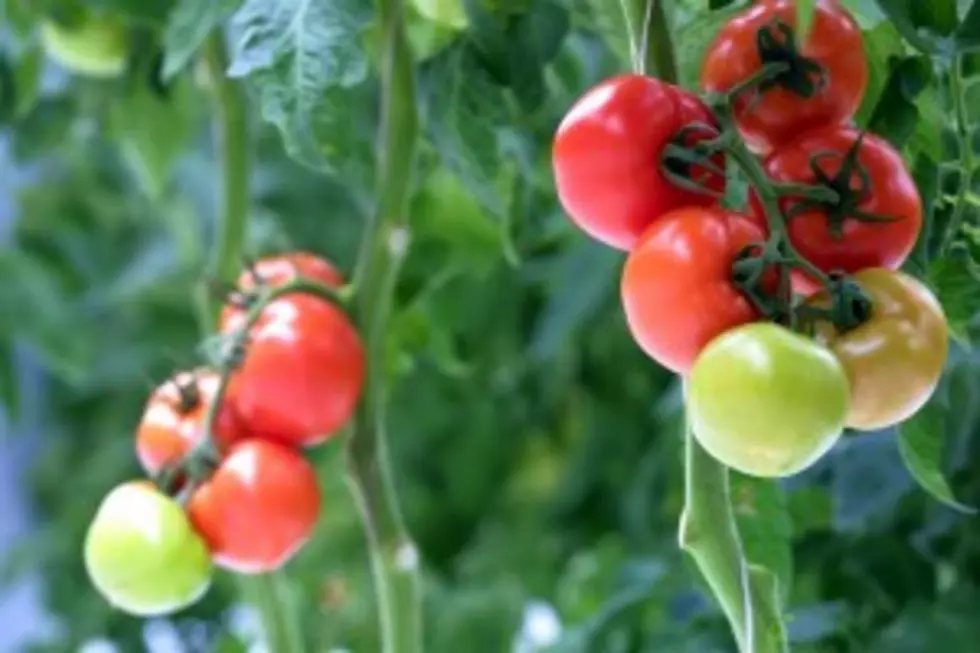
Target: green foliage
column 537, row 451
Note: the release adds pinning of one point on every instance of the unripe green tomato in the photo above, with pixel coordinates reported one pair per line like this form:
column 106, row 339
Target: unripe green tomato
column 97, row 46
column 447, row 12
column 142, row 554
column 766, row 401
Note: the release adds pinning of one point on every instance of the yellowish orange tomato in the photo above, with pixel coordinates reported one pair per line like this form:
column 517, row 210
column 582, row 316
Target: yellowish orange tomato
column 895, row 359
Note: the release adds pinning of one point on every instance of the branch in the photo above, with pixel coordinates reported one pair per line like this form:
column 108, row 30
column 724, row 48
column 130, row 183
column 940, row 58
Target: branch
column 394, row 557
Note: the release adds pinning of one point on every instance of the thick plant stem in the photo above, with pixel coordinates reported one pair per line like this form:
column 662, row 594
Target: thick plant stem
column 394, row 557
column 232, row 147
column 709, row 534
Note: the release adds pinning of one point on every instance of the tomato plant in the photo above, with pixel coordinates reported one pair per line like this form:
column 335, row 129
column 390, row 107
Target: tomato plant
column 894, row 360
column 823, row 81
column 527, row 415
column 302, row 374
column 258, row 509
column 142, row 554
column 174, row 419
column 766, row 401
column 677, row 287
column 608, row 151
column 93, row 44
column 876, row 218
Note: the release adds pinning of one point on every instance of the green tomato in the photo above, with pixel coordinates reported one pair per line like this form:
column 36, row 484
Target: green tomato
column 448, row 12
column 766, row 401
column 97, row 46
column 142, row 553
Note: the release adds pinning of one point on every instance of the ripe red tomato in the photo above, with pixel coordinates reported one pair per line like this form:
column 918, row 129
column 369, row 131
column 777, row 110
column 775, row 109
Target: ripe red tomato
column 282, row 268
column 276, row 270
column 302, row 373
column 779, row 113
column 174, row 417
column 259, row 507
column 677, row 287
column 831, row 237
column 607, row 157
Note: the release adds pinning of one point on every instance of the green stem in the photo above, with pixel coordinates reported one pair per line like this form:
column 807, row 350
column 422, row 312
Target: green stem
column 269, row 595
column 709, row 534
column 394, row 557
column 232, row 144
column 651, row 46
column 769, row 197
column 966, row 155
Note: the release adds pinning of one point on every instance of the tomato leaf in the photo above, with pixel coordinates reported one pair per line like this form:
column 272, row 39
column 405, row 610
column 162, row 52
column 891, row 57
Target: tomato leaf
column 135, row 122
column 608, row 21
column 465, row 108
column 765, row 527
column 921, row 445
column 896, row 116
column 908, row 21
column 967, row 36
column 306, row 62
column 693, row 40
column 573, row 299
column 188, row 26
column 956, row 280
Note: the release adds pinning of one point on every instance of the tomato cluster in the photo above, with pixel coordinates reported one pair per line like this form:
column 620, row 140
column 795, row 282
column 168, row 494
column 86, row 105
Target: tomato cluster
column 245, row 499
column 789, row 318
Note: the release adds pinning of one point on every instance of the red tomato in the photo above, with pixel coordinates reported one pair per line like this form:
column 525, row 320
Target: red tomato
column 677, row 287
column 302, row 373
column 779, row 113
column 259, row 507
column 607, row 157
column 173, row 420
column 832, row 238
column 282, row 268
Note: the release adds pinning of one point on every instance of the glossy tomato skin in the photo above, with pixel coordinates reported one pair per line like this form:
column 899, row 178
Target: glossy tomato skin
column 282, row 268
column 677, row 288
column 302, row 373
column 766, row 401
column 279, row 269
column 142, row 554
column 174, row 418
column 779, row 114
column 861, row 245
column 607, row 157
column 894, row 360
column 258, row 509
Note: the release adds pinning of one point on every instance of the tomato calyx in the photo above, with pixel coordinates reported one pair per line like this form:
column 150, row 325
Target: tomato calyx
column 188, row 393
column 850, row 306
column 691, row 159
column 851, row 186
column 801, row 75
